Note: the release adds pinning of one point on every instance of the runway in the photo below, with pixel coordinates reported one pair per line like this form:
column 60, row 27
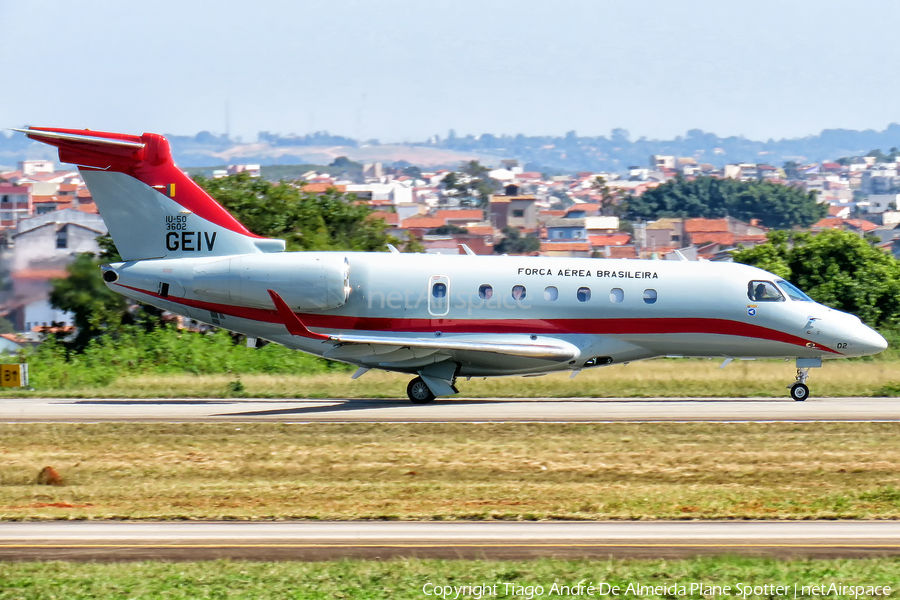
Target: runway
column 497, row 540
column 338, row 410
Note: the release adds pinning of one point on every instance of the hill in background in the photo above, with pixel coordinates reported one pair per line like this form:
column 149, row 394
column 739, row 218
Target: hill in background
column 568, row 153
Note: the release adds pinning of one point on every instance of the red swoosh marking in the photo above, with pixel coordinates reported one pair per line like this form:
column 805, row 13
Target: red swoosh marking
column 548, row 326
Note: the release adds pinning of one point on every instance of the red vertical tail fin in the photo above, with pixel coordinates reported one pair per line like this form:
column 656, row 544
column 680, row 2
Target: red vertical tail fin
column 151, row 207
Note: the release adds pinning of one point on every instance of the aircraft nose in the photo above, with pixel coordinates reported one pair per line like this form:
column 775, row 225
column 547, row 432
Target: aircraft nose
column 872, row 342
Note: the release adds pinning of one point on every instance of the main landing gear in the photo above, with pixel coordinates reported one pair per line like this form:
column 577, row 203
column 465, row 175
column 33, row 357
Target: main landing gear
column 434, row 380
column 799, row 389
column 419, row 392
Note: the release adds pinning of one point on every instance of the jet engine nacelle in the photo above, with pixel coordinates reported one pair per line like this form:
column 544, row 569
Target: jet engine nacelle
column 306, row 281
column 309, row 281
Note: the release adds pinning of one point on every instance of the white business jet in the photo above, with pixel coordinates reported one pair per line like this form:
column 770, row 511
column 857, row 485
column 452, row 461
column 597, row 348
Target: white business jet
column 437, row 317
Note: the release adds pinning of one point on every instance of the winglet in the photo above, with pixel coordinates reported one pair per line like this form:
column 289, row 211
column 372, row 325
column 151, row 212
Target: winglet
column 294, row 325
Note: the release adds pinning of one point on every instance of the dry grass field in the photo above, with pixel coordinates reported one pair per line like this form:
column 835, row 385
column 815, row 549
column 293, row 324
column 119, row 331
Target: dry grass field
column 667, row 377
column 453, row 471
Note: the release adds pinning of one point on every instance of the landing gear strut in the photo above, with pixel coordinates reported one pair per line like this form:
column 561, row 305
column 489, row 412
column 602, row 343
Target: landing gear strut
column 419, row 392
column 799, row 390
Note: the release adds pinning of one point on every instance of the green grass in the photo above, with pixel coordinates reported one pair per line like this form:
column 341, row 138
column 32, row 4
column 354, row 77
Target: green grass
column 399, row 579
column 271, row 376
column 453, row 471
column 161, row 353
column 171, row 363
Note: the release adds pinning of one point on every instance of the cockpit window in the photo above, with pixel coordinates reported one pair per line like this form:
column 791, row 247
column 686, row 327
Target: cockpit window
column 763, row 291
column 793, row 291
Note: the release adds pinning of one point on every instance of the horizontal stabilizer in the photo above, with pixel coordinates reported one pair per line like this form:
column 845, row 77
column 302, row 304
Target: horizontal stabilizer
column 48, row 136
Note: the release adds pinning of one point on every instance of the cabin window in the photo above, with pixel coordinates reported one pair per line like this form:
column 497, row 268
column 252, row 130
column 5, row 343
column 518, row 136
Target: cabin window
column 439, row 300
column 518, row 292
column 793, row 291
column 616, row 295
column 650, row 296
column 763, row 291
column 551, row 293
column 485, row 292
column 583, row 294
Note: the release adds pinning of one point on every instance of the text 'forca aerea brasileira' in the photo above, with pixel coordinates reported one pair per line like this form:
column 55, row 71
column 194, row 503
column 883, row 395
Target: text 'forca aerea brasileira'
column 587, row 273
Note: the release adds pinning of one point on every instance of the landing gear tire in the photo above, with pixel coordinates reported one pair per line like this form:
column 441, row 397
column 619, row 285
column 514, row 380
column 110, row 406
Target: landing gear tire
column 799, row 392
column 418, row 392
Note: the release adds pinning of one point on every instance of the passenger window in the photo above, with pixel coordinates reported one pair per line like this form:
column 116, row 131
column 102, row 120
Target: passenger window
column 485, row 292
column 518, row 292
column 650, row 296
column 551, row 293
column 616, row 295
column 583, row 294
column 763, row 291
column 439, row 290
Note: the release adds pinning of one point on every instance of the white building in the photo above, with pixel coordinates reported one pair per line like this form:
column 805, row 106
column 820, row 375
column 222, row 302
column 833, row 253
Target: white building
column 659, row 161
column 398, row 192
column 40, row 250
column 878, row 203
column 30, row 167
column 52, row 239
column 251, row 170
column 502, row 175
column 601, row 224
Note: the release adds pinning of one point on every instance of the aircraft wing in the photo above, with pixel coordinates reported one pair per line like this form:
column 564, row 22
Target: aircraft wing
column 556, row 350
column 546, row 349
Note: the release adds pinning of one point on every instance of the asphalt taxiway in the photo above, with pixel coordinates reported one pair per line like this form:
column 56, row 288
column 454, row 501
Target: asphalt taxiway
column 498, row 540
column 300, row 410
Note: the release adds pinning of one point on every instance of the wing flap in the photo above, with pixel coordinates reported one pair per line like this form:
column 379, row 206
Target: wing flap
column 556, row 350
column 546, row 349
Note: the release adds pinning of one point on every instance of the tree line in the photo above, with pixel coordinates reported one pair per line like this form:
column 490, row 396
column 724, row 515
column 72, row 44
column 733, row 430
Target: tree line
column 774, row 205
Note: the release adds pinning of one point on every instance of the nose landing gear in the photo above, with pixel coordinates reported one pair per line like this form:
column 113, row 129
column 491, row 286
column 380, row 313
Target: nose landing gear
column 799, row 389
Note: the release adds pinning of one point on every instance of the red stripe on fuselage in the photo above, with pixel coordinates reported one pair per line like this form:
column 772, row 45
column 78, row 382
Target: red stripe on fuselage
column 644, row 326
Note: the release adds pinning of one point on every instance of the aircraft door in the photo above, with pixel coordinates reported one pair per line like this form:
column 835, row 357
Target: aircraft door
column 439, row 295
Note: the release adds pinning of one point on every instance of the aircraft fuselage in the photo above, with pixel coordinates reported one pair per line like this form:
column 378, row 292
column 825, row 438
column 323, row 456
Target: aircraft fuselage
column 612, row 311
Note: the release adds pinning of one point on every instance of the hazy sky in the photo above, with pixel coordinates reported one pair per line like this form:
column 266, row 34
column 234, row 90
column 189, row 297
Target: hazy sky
column 402, row 70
